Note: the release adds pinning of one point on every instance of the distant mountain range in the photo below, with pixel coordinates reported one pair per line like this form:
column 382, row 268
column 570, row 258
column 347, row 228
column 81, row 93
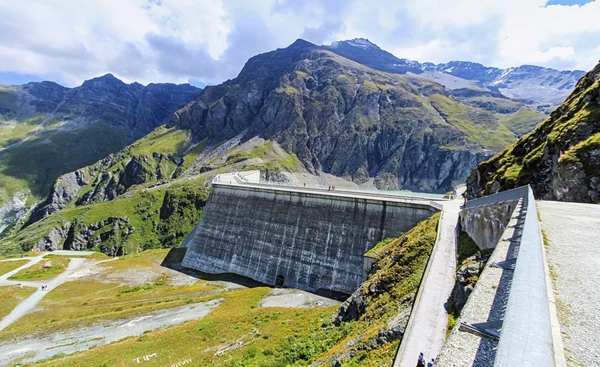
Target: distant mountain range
column 560, row 158
column 47, row 130
column 541, row 87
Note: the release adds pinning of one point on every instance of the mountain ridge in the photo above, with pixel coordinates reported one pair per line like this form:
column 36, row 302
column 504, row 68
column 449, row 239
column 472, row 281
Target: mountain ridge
column 509, row 81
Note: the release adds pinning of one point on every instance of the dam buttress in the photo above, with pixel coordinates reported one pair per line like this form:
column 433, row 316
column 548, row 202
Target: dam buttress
column 306, row 239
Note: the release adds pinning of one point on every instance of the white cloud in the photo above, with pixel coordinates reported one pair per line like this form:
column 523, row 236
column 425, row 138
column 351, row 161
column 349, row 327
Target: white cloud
column 210, row 40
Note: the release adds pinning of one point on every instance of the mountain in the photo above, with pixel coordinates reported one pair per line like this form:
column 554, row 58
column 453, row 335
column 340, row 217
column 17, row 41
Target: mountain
column 302, row 111
column 343, row 118
column 540, row 87
column 47, row 130
column 560, row 159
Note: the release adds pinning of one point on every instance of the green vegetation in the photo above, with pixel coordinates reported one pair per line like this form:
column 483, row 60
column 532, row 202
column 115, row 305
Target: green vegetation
column 479, row 125
column 6, row 266
column 32, row 167
column 466, row 246
column 8, row 101
column 11, row 296
column 567, row 136
column 150, row 218
column 523, row 121
column 45, row 269
column 19, row 130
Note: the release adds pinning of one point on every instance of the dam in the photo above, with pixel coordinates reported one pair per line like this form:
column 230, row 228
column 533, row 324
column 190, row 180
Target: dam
column 310, row 239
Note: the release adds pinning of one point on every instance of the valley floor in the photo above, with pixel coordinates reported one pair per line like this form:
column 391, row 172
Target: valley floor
column 99, row 303
column 572, row 231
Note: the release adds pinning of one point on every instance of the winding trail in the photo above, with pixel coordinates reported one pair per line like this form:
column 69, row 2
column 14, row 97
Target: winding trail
column 29, row 304
column 426, row 331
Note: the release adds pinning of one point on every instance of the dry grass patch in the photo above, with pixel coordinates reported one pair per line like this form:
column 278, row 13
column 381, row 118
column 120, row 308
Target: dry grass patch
column 11, row 296
column 7, row 266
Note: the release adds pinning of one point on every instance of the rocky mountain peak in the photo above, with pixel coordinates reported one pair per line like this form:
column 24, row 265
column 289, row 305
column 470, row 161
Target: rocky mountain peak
column 300, row 43
column 357, row 42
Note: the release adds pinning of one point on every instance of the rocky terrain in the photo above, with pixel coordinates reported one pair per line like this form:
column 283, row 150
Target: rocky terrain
column 343, row 118
column 541, row 87
column 47, row 130
column 560, row 159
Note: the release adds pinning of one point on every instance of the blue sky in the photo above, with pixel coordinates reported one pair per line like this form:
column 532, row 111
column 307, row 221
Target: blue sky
column 208, row 41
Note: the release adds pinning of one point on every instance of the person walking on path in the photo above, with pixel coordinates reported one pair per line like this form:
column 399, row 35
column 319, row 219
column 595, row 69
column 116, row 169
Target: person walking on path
column 421, row 361
column 430, row 363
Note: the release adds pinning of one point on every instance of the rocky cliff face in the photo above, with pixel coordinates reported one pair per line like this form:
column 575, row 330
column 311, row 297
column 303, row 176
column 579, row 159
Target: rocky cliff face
column 138, row 108
column 560, row 159
column 340, row 117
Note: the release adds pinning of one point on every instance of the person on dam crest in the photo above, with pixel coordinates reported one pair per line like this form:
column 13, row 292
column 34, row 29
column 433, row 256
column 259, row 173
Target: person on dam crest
column 421, row 360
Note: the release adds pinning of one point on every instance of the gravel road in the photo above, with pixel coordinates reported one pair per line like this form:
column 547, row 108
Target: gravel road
column 574, row 257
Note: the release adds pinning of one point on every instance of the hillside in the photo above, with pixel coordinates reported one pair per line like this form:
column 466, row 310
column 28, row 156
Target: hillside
column 560, row 159
column 341, row 117
column 539, row 87
column 47, row 130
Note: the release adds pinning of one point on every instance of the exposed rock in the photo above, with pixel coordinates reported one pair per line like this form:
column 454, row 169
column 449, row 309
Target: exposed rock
column 466, row 277
column 352, row 308
column 338, row 118
column 54, row 240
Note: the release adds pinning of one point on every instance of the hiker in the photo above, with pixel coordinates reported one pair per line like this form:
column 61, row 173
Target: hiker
column 329, row 188
column 430, row 364
column 305, row 184
column 421, row 361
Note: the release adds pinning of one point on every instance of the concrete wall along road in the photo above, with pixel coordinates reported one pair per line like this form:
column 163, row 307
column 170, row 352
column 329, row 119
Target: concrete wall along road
column 313, row 240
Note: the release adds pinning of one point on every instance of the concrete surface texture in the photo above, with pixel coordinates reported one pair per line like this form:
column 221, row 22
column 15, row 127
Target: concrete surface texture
column 295, row 238
column 485, row 223
column 486, row 304
column 428, row 330
column 573, row 255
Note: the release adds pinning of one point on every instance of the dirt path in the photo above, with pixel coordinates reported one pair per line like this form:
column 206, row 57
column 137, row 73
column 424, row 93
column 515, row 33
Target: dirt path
column 34, row 349
column 428, row 331
column 29, row 304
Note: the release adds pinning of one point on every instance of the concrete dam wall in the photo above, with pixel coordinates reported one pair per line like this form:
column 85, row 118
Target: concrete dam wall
column 304, row 239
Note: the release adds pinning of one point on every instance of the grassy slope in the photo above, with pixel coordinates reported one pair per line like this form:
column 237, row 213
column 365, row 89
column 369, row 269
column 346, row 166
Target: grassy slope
column 523, row 121
column 142, row 211
column 57, row 264
column 480, row 125
column 21, row 129
column 7, row 266
column 272, row 336
column 33, row 166
column 11, row 296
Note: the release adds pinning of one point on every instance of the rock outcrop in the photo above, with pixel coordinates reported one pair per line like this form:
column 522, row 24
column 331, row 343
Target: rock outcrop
column 339, row 117
column 560, row 159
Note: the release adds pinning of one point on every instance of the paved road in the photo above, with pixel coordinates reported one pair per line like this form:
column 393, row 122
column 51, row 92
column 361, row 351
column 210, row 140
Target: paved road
column 428, row 331
column 574, row 257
